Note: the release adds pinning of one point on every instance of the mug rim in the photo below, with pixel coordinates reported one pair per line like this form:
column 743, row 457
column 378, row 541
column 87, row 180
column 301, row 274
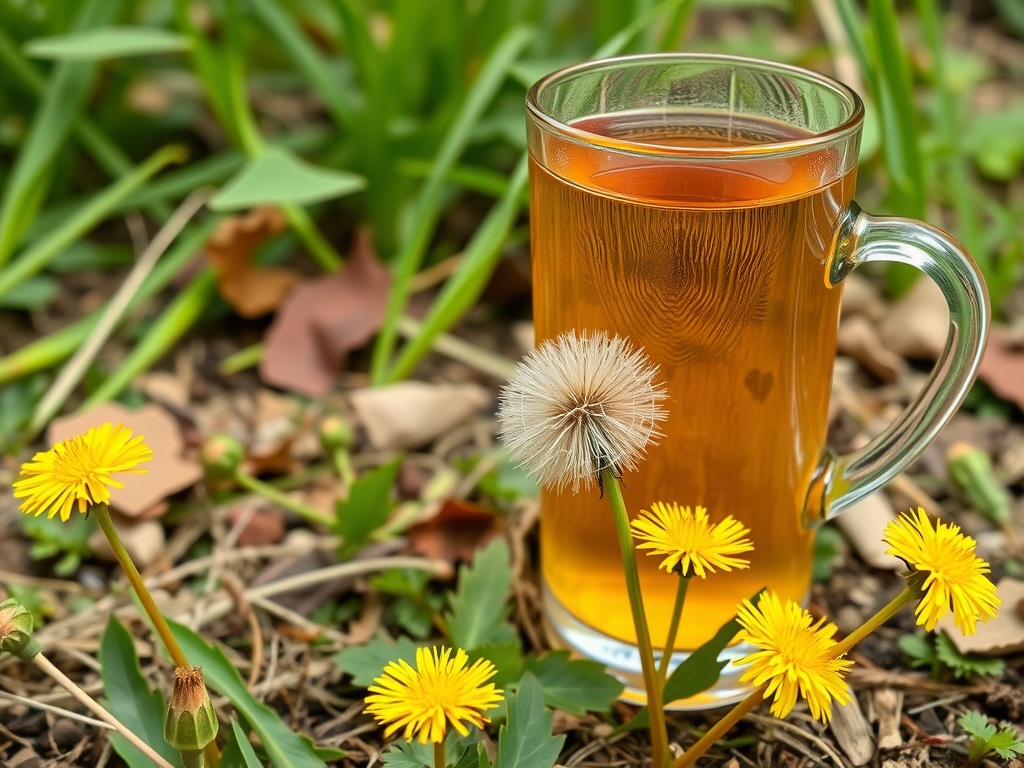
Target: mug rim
column 847, row 127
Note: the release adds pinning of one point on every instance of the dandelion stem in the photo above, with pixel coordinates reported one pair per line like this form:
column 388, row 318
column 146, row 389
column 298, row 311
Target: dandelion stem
column 719, row 729
column 102, row 514
column 439, row 760
column 673, row 628
column 269, row 492
column 97, row 709
column 869, row 626
column 655, row 706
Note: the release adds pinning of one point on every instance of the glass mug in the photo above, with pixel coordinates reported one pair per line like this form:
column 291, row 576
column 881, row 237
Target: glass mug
column 701, row 206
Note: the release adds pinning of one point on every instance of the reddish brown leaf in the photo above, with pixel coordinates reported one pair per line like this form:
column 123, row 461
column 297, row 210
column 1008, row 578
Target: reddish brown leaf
column 265, row 526
column 252, row 291
column 322, row 320
column 1002, row 367
column 166, row 473
column 455, row 533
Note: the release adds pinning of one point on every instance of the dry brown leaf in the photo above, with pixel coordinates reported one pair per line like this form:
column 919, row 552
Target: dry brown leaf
column 917, row 325
column 1002, row 367
column 264, row 526
column 413, row 413
column 167, row 473
column 322, row 321
column 858, row 338
column 276, row 424
column 1000, row 636
column 455, row 533
column 863, row 524
column 251, row 291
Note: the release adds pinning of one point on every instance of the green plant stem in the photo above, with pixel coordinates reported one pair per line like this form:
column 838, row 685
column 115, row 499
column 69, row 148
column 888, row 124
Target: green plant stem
column 248, row 357
column 673, row 628
column 343, row 465
column 719, row 729
column 843, row 646
column 439, row 761
column 102, row 515
column 655, row 707
column 269, row 492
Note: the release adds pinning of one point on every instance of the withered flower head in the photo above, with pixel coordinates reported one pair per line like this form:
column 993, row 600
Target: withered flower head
column 191, row 721
column 580, row 405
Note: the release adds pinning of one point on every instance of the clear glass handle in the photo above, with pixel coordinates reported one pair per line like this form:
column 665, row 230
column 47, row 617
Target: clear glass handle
column 839, row 481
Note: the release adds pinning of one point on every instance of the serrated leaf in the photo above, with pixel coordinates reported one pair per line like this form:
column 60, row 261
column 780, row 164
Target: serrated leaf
column 285, row 747
column 238, row 752
column 277, row 177
column 129, row 699
column 107, row 43
column 1006, row 743
column 977, row 724
column 525, row 741
column 577, row 686
column 366, row 509
column 479, row 605
column 366, row 662
column 965, row 664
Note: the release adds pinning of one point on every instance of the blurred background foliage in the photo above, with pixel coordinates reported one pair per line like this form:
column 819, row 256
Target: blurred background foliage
column 401, row 114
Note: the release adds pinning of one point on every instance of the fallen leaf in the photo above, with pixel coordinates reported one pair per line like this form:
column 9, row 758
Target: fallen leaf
column 250, row 290
column 323, row 320
column 863, row 524
column 1002, row 367
column 858, row 338
column 1002, row 635
column 265, row 525
column 144, row 540
column 455, row 533
column 168, row 472
column 917, row 324
column 413, row 413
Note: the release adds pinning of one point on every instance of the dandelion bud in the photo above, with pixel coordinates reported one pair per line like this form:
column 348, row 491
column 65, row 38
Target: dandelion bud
column 16, row 625
column 222, row 456
column 335, row 434
column 191, row 722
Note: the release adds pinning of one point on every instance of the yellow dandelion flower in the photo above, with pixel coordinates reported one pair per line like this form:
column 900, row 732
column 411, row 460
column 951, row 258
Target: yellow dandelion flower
column 579, row 405
column 943, row 565
column 438, row 691
column 690, row 542
column 79, row 471
column 796, row 656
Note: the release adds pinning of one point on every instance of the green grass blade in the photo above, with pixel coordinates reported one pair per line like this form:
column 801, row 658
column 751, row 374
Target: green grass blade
column 64, row 95
column 307, row 58
column 94, row 211
column 618, row 42
column 208, row 68
column 899, row 117
column 429, row 203
column 166, row 331
column 464, row 288
column 59, row 345
column 102, row 43
column 961, row 184
column 854, row 33
column 103, row 149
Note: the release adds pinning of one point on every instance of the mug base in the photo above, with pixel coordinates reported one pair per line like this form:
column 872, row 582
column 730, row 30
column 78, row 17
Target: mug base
column 622, row 660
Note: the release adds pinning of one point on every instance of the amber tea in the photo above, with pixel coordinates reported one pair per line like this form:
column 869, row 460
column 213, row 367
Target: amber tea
column 701, row 267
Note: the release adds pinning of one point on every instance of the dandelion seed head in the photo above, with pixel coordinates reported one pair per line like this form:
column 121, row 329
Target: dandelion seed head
column 579, row 405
